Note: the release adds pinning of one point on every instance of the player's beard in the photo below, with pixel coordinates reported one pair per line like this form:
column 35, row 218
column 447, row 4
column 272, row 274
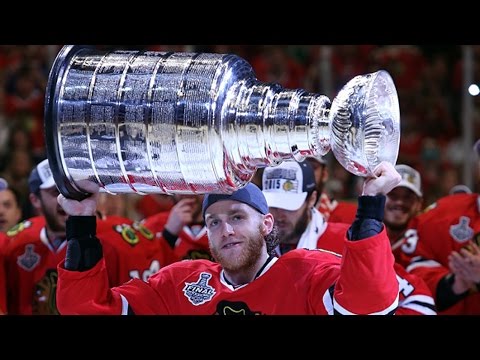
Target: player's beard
column 52, row 220
column 299, row 228
column 248, row 257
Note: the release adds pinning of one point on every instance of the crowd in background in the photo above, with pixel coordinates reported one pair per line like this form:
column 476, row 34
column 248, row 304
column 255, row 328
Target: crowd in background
column 428, row 81
column 436, row 248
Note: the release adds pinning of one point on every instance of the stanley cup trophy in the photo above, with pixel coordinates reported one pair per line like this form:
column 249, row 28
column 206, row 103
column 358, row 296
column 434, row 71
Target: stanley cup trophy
column 154, row 122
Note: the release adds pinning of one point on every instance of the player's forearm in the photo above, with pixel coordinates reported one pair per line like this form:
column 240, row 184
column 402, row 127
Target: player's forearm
column 84, row 250
column 369, row 218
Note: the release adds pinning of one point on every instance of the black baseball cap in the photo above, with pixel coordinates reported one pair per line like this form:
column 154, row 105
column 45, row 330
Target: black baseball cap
column 41, row 177
column 250, row 194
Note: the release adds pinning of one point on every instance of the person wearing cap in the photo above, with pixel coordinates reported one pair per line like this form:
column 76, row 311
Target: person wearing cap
column 247, row 278
column 35, row 247
column 38, row 244
column 10, row 208
column 332, row 209
column 403, row 203
column 442, row 244
column 289, row 189
column 291, row 194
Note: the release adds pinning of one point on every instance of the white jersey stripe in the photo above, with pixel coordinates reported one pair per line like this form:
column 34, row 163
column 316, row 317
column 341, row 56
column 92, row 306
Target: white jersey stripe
column 386, row 311
column 425, row 263
column 423, row 304
column 328, row 302
column 124, row 305
column 419, row 308
column 419, row 298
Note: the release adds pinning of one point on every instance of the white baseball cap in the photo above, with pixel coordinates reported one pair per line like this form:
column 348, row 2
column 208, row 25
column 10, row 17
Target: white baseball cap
column 287, row 185
column 41, row 177
column 411, row 179
column 457, row 189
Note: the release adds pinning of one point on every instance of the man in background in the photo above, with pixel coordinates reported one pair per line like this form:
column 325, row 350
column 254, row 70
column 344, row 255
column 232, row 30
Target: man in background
column 332, row 209
column 403, row 203
column 289, row 189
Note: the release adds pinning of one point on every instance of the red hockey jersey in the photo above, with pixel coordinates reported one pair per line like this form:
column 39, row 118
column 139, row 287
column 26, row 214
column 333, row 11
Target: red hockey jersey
column 337, row 211
column 192, row 242
column 31, row 269
column 130, row 251
column 446, row 226
column 415, row 298
column 299, row 282
column 137, row 253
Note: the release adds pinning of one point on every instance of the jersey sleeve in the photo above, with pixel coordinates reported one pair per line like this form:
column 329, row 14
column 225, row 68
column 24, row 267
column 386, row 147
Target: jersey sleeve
column 87, row 292
column 367, row 283
column 415, row 298
column 364, row 283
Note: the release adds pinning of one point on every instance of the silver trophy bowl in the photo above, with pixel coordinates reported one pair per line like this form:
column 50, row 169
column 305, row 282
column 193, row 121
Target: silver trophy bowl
column 365, row 120
column 157, row 122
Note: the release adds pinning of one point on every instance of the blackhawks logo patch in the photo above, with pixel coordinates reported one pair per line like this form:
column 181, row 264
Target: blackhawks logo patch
column 234, row 308
column 128, row 234
column 13, row 231
column 142, row 229
column 44, row 296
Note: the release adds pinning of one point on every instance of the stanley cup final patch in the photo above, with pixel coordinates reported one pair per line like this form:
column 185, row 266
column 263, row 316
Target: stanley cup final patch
column 199, row 292
column 462, row 231
column 29, row 259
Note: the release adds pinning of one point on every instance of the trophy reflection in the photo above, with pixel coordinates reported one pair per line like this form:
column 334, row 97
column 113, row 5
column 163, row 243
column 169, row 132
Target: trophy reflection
column 155, row 122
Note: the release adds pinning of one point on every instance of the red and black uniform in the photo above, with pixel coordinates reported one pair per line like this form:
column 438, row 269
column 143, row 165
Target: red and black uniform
column 136, row 251
column 415, row 298
column 408, row 236
column 447, row 225
column 336, row 211
column 31, row 261
column 306, row 281
column 191, row 243
column 129, row 249
column 152, row 204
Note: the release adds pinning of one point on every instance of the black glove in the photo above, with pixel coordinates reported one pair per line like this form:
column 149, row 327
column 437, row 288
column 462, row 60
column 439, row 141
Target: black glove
column 84, row 250
column 445, row 295
column 369, row 219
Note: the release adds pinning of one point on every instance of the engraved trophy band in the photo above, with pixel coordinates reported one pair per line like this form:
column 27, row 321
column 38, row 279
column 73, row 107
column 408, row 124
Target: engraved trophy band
column 170, row 122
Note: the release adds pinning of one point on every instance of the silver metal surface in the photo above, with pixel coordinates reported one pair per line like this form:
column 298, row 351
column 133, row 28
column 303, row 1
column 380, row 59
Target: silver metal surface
column 365, row 118
column 153, row 122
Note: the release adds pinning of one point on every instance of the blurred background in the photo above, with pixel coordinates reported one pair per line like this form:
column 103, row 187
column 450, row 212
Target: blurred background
column 437, row 88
